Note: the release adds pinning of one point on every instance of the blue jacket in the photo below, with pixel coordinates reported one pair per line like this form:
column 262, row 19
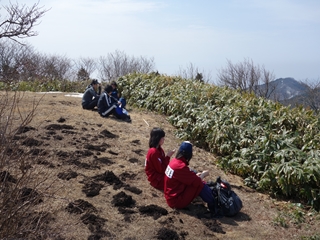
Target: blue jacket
column 115, row 93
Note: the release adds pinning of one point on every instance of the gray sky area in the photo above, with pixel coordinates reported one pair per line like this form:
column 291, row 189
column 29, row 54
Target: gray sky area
column 281, row 35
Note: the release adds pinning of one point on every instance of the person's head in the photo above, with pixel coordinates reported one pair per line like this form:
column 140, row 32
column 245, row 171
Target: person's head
column 114, row 84
column 108, row 89
column 95, row 83
column 185, row 150
column 156, row 137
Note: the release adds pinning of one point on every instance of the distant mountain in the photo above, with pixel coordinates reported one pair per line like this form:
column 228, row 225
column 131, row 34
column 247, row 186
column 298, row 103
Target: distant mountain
column 289, row 91
column 285, row 88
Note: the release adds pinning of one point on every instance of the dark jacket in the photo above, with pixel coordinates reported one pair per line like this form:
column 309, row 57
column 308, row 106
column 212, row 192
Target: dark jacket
column 107, row 105
column 115, row 94
column 89, row 96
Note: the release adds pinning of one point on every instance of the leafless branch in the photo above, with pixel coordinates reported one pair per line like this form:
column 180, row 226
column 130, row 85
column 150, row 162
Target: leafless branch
column 246, row 76
column 20, row 21
column 193, row 72
column 118, row 64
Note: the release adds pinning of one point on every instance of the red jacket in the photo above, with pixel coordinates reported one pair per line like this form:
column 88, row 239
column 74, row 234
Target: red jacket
column 155, row 166
column 181, row 185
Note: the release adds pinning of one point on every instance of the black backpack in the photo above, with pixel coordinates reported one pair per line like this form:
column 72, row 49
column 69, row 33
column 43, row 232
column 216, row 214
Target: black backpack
column 227, row 202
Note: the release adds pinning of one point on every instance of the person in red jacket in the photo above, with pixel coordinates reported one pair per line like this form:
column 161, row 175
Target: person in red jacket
column 156, row 160
column 182, row 185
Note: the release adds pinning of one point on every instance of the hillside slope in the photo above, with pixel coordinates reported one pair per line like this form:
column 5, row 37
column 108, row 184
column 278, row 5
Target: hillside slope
column 98, row 188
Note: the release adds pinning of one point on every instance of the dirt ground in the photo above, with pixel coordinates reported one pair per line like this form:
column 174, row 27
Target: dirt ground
column 99, row 188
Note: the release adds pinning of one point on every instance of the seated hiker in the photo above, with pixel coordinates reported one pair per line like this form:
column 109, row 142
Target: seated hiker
column 117, row 95
column 91, row 95
column 182, row 185
column 156, row 160
column 107, row 105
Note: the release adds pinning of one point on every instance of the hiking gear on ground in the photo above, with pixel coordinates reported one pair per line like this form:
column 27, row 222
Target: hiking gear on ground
column 227, row 202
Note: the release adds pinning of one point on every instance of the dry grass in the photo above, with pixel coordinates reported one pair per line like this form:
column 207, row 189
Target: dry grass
column 89, row 174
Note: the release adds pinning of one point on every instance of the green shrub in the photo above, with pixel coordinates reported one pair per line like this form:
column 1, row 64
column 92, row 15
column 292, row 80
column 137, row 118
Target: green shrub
column 43, row 85
column 275, row 148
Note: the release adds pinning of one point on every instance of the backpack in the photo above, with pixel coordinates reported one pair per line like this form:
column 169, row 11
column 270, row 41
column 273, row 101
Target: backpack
column 227, row 202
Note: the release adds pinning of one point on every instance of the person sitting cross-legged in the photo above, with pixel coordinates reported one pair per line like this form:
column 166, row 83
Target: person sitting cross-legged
column 91, row 95
column 116, row 94
column 107, row 105
column 182, row 185
column 156, row 160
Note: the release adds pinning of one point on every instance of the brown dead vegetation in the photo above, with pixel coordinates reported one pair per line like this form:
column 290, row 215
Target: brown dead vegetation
column 75, row 175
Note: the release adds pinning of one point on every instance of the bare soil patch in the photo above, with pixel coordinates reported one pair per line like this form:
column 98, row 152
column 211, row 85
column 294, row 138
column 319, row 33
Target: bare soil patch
column 101, row 191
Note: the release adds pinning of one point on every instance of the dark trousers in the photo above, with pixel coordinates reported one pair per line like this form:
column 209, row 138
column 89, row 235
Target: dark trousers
column 207, row 196
column 91, row 105
column 112, row 110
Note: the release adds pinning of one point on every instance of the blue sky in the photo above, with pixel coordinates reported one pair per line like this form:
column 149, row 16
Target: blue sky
column 281, row 35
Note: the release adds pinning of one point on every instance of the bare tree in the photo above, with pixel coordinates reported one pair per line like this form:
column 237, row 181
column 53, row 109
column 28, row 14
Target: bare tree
column 248, row 77
column 146, row 65
column 20, row 21
column 8, row 60
column 118, row 64
column 84, row 68
column 54, row 67
column 29, row 63
column 266, row 87
column 193, row 72
column 20, row 62
column 82, row 75
column 311, row 96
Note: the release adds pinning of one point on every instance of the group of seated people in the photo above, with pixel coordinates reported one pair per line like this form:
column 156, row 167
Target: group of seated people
column 107, row 102
column 179, row 183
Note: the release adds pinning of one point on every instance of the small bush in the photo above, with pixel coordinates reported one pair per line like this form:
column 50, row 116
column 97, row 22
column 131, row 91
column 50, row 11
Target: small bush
column 19, row 192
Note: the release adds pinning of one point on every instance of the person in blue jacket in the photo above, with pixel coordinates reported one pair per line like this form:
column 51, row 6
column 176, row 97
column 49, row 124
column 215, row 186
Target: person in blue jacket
column 117, row 95
column 108, row 105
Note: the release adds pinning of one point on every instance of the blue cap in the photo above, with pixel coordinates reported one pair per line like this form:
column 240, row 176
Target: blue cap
column 186, row 146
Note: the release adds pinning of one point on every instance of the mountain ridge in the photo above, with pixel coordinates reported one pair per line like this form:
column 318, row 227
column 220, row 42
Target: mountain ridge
column 284, row 88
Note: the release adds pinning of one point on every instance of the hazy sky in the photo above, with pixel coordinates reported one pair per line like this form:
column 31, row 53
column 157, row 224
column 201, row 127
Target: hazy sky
column 281, row 35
